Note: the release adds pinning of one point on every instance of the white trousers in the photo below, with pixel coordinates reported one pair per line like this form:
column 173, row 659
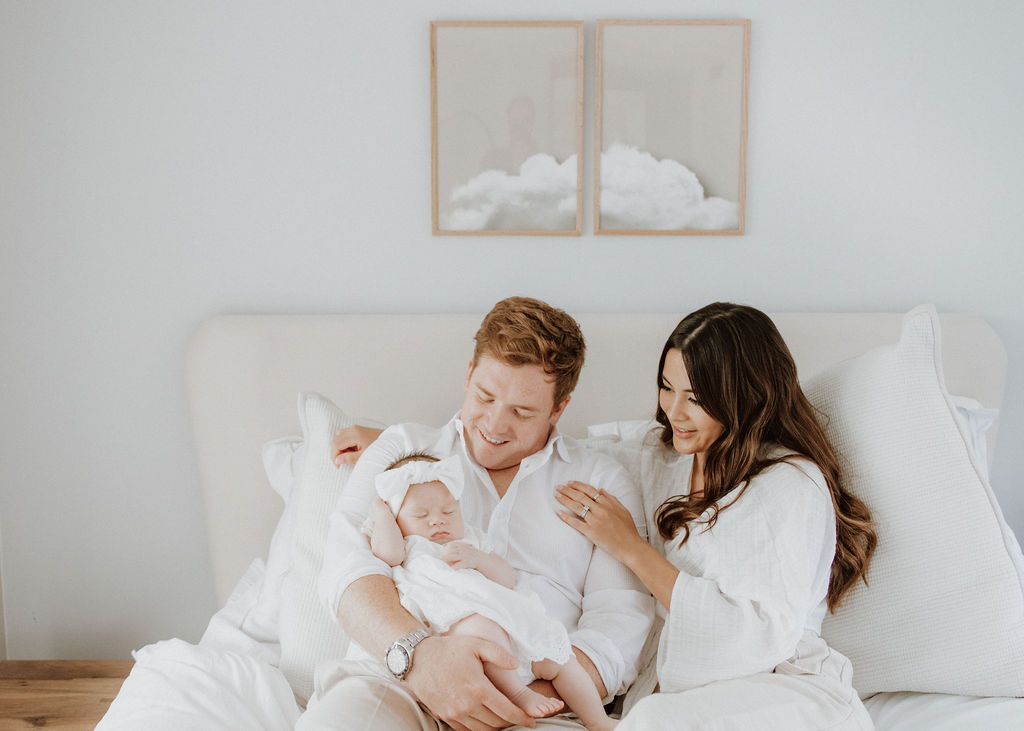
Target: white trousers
column 350, row 696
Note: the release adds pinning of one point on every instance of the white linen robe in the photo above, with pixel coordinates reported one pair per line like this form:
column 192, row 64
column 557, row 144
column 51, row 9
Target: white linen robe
column 741, row 646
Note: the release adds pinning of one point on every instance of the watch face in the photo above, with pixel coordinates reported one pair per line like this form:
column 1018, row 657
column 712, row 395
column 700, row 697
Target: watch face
column 398, row 660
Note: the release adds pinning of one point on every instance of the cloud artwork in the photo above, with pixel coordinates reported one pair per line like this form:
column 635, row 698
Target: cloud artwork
column 541, row 197
column 641, row 192
column 638, row 192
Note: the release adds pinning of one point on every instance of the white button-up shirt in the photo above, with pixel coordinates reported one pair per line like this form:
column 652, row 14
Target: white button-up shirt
column 604, row 607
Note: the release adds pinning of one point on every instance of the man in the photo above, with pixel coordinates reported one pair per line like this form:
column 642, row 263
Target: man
column 525, row 365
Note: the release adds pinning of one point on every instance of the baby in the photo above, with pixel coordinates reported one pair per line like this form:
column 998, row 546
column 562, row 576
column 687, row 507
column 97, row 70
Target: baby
column 447, row 575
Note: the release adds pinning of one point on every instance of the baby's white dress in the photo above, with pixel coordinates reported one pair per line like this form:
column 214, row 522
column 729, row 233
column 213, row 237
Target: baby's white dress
column 440, row 596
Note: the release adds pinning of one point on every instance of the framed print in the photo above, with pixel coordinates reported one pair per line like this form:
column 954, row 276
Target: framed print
column 671, row 126
column 506, row 103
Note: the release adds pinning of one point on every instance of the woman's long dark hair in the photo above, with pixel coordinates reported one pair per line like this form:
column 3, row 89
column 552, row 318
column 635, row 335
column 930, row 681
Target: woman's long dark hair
column 743, row 375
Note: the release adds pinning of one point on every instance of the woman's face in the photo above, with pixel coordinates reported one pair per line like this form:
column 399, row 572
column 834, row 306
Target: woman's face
column 693, row 429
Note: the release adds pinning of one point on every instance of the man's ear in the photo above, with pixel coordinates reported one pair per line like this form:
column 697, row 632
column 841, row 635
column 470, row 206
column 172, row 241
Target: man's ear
column 559, row 410
column 469, row 372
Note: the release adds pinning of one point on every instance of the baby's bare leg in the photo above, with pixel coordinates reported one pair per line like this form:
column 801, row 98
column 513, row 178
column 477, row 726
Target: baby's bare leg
column 577, row 690
column 507, row 681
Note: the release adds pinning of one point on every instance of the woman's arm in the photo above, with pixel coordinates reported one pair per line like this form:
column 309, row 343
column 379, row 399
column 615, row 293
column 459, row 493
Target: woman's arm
column 386, row 540
column 610, row 526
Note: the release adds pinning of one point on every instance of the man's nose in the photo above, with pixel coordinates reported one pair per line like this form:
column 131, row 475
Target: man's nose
column 496, row 419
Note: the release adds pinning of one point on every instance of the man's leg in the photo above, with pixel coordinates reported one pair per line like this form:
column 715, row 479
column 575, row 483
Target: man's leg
column 365, row 703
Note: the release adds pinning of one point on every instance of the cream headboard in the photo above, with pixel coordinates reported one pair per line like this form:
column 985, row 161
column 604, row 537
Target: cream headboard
column 244, row 372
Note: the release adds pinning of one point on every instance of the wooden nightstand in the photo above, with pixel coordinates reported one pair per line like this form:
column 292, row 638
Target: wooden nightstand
column 59, row 694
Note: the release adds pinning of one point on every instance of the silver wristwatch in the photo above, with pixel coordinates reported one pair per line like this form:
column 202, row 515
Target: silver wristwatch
column 399, row 656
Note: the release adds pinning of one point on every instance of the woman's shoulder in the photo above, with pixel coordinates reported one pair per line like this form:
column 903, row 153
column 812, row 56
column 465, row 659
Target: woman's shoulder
column 792, row 477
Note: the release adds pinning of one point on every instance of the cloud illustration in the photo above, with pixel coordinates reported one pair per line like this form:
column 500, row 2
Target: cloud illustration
column 638, row 192
column 542, row 196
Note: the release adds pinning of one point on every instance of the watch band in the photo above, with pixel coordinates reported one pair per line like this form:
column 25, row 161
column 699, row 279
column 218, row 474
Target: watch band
column 399, row 656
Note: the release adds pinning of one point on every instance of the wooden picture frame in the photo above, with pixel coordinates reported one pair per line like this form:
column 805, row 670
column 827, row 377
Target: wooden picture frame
column 670, row 134
column 506, row 106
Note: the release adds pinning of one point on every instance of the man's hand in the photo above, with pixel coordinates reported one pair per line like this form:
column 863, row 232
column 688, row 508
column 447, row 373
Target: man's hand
column 348, row 443
column 447, row 676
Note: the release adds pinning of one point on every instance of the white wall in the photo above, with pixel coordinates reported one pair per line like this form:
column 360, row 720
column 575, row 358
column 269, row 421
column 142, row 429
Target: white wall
column 162, row 162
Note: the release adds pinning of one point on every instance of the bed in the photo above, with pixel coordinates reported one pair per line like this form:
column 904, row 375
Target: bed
column 937, row 637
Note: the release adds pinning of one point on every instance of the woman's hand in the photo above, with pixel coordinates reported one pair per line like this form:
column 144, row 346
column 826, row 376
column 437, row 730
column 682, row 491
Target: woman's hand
column 605, row 520
column 610, row 526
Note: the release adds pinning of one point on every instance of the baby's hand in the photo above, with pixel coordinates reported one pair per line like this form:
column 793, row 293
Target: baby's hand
column 461, row 555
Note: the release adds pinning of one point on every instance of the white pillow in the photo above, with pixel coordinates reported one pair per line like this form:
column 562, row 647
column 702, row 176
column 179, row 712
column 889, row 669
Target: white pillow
column 282, row 460
column 944, row 608
column 308, row 633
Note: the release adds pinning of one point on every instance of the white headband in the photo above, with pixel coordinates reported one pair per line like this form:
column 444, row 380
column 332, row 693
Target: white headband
column 392, row 485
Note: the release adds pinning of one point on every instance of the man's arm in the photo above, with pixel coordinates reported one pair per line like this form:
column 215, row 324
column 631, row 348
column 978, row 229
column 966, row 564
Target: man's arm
column 618, row 610
column 447, row 672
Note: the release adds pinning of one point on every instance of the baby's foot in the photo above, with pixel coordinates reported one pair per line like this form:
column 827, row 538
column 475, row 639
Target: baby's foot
column 606, row 724
column 535, row 704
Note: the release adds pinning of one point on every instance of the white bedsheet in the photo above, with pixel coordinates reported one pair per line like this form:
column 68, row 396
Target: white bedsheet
column 229, row 681
column 936, row 712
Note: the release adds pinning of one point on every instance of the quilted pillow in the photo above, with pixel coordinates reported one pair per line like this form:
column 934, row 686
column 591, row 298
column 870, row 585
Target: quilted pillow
column 943, row 611
column 308, row 633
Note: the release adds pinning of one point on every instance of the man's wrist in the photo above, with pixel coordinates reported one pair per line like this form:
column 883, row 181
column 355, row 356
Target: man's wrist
column 399, row 656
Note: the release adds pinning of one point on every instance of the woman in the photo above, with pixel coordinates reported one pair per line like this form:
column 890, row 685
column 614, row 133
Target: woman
column 758, row 538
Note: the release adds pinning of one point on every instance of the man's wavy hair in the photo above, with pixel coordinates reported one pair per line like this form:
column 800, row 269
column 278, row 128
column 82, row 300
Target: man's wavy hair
column 743, row 375
column 524, row 331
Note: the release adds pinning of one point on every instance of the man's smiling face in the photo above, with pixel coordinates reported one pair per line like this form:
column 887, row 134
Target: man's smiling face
column 508, row 412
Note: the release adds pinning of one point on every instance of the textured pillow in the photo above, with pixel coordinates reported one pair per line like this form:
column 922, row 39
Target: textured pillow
column 944, row 608
column 262, row 621
column 308, row 633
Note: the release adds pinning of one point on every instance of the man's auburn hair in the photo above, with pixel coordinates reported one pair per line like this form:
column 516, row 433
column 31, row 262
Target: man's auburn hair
column 524, row 331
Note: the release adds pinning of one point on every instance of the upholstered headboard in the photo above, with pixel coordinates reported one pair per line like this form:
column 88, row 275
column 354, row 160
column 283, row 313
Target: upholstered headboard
column 245, row 371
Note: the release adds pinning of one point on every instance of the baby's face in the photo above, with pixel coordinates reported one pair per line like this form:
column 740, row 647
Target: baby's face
column 429, row 510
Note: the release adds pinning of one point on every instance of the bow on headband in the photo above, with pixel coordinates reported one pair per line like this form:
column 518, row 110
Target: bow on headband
column 392, row 485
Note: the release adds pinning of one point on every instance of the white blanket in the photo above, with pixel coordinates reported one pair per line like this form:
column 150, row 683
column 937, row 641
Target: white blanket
column 227, row 682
